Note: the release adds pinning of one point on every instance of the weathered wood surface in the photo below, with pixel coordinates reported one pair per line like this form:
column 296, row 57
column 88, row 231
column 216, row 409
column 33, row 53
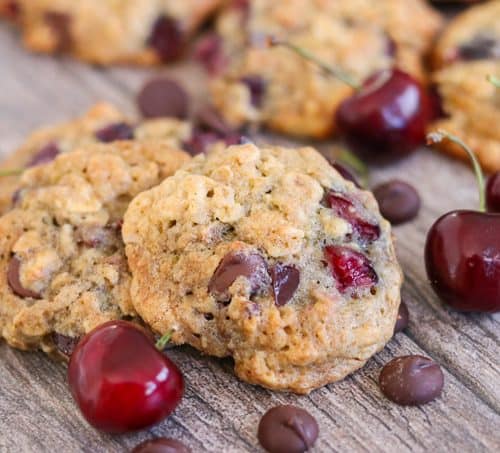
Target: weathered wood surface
column 219, row 413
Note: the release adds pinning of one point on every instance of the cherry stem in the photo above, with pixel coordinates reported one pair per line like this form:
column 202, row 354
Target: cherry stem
column 351, row 160
column 439, row 136
column 342, row 76
column 493, row 80
column 163, row 341
column 11, row 172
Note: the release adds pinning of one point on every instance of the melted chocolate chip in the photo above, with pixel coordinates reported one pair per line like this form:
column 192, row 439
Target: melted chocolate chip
column 161, row 445
column 479, row 48
column 249, row 265
column 15, row 281
column 285, row 279
column 60, row 24
column 116, row 131
column 64, row 344
column 208, row 119
column 44, row 155
column 399, row 202
column 402, row 319
column 95, row 236
column 287, row 429
column 345, row 173
column 163, row 97
column 411, row 380
column 391, row 47
column 257, row 87
column 167, row 38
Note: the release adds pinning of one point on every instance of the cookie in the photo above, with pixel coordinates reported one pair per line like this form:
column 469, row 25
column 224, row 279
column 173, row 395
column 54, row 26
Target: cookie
column 273, row 87
column 103, row 32
column 470, row 107
column 63, row 269
column 102, row 123
column 472, row 35
column 269, row 256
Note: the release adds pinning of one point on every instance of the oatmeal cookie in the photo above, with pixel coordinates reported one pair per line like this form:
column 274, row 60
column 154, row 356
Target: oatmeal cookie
column 274, row 87
column 471, row 110
column 269, row 256
column 102, row 123
column 63, row 268
column 108, row 31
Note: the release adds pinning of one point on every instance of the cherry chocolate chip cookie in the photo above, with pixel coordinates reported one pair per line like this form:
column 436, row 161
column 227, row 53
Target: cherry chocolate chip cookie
column 63, row 269
column 269, row 256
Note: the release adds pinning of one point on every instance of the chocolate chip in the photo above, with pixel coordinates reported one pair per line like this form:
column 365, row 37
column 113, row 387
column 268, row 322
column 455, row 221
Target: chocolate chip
column 199, row 142
column 286, row 279
column 16, row 197
column 115, row 131
column 167, row 38
column 60, row 24
column 257, row 87
column 161, row 445
column 64, row 344
column 480, row 47
column 163, row 97
column 15, row 282
column 208, row 119
column 391, row 47
column 287, row 429
column 210, row 54
column 399, row 202
column 411, row 380
column 95, row 236
column 249, row 265
column 403, row 318
column 44, row 155
column 345, row 173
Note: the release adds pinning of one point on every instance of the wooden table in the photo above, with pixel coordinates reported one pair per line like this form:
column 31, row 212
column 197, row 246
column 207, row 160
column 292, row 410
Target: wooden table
column 220, row 413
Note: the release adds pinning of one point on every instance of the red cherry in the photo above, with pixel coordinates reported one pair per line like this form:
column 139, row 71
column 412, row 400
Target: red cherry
column 493, row 193
column 462, row 253
column 387, row 117
column 120, row 381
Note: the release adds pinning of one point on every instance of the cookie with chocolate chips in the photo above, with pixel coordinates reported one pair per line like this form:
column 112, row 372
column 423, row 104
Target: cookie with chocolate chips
column 103, row 123
column 63, row 269
column 141, row 32
column 267, row 255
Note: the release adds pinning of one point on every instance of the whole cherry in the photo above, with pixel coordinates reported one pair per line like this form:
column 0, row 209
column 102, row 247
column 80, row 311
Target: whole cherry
column 462, row 252
column 493, row 193
column 121, row 381
column 386, row 117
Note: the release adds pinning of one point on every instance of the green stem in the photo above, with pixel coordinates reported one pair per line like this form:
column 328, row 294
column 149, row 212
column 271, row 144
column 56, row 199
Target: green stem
column 273, row 42
column 493, row 80
column 163, row 341
column 351, row 160
column 11, row 172
column 439, row 136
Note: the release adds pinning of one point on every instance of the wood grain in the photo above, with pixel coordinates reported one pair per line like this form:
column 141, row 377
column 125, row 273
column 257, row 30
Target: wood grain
column 219, row 413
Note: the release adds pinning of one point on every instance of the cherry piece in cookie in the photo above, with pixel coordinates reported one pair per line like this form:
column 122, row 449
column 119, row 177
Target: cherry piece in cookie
column 403, row 318
column 285, row 279
column 162, row 97
column 14, row 280
column 116, row 131
column 44, row 155
column 161, row 445
column 493, row 193
column 287, row 429
column 167, row 39
column 210, row 54
column 411, row 380
column 399, row 202
column 120, row 381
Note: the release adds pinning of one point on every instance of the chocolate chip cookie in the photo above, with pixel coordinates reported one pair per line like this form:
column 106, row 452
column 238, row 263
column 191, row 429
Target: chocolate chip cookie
column 102, row 123
column 108, row 31
column 269, row 256
column 63, row 268
column 272, row 86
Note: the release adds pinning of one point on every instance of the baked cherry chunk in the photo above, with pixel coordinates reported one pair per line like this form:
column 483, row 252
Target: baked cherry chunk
column 115, row 131
column 44, row 155
column 167, row 38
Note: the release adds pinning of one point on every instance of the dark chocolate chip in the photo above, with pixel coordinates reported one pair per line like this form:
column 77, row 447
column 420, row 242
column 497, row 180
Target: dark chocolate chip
column 345, row 173
column 44, row 155
column 163, row 97
column 257, row 87
column 249, row 265
column 399, row 202
column 411, row 380
column 15, row 282
column 208, row 119
column 209, row 52
column 286, row 279
column 403, row 318
column 16, row 197
column 64, row 344
column 391, row 47
column 116, row 131
column 199, row 142
column 287, row 429
column 480, row 47
column 161, row 445
column 60, row 24
column 167, row 38
column 95, row 236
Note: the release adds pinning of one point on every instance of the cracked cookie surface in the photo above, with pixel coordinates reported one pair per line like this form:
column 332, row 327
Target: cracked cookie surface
column 63, row 268
column 269, row 256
